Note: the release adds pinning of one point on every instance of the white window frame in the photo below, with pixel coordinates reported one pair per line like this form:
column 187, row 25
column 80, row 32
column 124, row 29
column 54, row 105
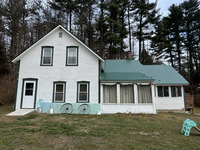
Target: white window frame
column 68, row 49
column 63, row 92
column 163, row 91
column 51, row 59
column 83, row 101
column 176, row 91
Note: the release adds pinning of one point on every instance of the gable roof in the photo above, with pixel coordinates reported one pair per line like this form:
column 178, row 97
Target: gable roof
column 59, row 26
column 133, row 70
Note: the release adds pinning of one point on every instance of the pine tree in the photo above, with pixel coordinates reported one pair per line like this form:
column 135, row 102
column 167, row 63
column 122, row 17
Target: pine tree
column 191, row 28
column 3, row 58
column 101, row 28
column 173, row 28
column 175, row 19
column 116, row 28
column 145, row 16
column 161, row 45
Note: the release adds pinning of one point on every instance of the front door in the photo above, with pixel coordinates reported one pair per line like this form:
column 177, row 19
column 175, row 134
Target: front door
column 29, row 93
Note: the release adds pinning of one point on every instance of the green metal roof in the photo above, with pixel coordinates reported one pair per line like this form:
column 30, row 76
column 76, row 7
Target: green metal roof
column 132, row 70
column 122, row 65
column 125, row 76
column 124, row 70
column 164, row 74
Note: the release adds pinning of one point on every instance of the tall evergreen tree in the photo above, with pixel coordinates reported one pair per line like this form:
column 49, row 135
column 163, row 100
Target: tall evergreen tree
column 175, row 22
column 3, row 58
column 145, row 16
column 161, row 44
column 101, row 28
column 116, row 28
column 191, row 28
column 16, row 17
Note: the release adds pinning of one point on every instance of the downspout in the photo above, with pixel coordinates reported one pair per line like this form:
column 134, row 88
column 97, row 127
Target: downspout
column 18, row 67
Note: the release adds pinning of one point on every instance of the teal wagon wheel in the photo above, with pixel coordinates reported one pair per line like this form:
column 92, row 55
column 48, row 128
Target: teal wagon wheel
column 84, row 109
column 67, row 108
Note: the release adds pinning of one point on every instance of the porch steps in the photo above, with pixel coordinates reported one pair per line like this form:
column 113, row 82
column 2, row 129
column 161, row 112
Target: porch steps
column 21, row 112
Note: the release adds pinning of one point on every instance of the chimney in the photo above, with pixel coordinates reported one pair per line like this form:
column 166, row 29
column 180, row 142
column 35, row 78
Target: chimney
column 130, row 56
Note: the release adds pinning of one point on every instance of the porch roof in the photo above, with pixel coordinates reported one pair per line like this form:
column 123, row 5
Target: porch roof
column 133, row 70
column 125, row 76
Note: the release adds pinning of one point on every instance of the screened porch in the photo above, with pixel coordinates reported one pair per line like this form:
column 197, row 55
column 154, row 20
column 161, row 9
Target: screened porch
column 127, row 97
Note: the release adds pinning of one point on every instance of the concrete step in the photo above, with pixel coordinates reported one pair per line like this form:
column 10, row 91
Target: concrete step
column 21, row 112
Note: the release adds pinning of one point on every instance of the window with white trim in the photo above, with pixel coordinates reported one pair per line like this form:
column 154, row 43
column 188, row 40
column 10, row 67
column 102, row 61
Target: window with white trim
column 163, row 91
column 59, row 91
column 47, row 56
column 72, row 56
column 176, row 91
column 83, row 92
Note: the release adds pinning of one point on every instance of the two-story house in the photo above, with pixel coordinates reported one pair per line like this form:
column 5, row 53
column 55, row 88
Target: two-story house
column 60, row 72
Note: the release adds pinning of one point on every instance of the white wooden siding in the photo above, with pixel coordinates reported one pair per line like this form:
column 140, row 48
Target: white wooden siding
column 87, row 69
column 169, row 103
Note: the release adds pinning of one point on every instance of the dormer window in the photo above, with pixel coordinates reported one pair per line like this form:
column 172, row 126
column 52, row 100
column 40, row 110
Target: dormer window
column 47, row 56
column 72, row 56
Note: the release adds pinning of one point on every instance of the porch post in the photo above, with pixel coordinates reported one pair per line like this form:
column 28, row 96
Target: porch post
column 101, row 93
column 153, row 93
column 118, row 93
column 135, row 94
column 170, row 94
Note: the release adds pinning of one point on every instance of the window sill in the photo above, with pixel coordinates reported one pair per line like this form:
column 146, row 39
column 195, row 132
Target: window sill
column 71, row 65
column 46, row 65
column 58, row 101
column 83, row 102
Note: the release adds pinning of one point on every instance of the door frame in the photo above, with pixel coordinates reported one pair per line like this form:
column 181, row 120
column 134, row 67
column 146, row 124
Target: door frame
column 36, row 83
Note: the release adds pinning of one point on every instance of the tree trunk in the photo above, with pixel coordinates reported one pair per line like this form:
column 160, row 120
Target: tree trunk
column 129, row 28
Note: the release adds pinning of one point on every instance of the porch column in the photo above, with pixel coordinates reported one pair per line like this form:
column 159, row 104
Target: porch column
column 135, row 94
column 153, row 93
column 170, row 94
column 118, row 93
column 182, row 91
column 101, row 93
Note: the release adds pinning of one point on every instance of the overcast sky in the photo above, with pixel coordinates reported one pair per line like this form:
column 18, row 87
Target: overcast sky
column 165, row 4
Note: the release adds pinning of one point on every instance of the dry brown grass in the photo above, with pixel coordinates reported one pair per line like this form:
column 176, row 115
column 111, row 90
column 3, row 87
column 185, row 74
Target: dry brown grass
column 120, row 131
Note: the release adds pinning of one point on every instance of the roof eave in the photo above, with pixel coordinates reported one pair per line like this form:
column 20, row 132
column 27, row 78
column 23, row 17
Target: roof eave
column 173, row 84
column 135, row 81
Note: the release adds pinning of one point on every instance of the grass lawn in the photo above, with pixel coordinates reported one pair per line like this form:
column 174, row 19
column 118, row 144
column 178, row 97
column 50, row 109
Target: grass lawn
column 120, row 131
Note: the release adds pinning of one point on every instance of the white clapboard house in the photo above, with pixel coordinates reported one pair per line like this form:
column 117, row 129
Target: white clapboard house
column 59, row 73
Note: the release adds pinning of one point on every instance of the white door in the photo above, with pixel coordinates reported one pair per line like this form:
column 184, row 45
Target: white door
column 29, row 93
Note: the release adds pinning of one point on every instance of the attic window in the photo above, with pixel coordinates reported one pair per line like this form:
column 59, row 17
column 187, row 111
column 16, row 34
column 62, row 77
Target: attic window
column 60, row 34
